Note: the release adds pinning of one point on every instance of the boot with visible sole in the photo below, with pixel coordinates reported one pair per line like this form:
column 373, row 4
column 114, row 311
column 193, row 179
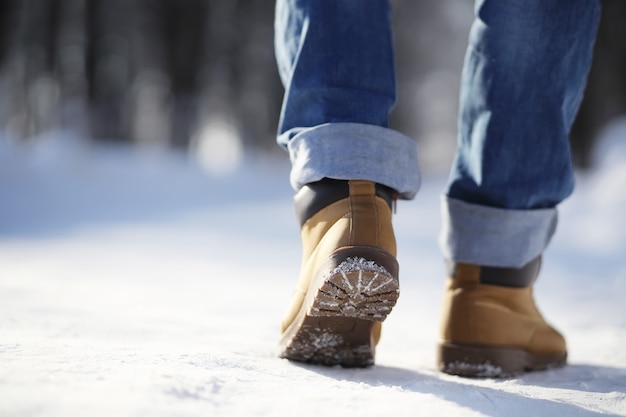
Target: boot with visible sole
column 491, row 330
column 349, row 278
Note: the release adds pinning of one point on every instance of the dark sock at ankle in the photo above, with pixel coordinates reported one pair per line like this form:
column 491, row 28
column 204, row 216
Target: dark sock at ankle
column 316, row 195
column 505, row 277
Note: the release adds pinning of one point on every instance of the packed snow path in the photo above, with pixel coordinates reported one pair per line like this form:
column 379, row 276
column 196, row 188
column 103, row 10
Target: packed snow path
column 137, row 285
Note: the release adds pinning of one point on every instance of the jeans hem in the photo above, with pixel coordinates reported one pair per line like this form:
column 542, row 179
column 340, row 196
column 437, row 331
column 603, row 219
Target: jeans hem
column 491, row 236
column 355, row 151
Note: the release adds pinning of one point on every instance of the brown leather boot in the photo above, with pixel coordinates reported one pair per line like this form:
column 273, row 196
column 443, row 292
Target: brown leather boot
column 491, row 330
column 349, row 277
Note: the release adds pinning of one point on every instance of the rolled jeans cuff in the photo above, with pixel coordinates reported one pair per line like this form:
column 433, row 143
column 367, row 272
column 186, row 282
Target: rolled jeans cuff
column 493, row 236
column 355, row 151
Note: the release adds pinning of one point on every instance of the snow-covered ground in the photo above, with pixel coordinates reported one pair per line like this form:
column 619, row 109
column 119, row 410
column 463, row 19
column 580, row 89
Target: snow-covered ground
column 135, row 284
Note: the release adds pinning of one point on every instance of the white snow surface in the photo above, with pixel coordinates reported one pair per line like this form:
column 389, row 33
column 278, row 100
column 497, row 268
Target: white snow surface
column 136, row 284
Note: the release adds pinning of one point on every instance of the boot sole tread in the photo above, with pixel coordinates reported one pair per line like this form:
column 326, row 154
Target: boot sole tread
column 337, row 324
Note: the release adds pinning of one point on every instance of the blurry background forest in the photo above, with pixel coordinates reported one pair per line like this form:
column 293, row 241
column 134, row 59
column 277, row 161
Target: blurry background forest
column 171, row 73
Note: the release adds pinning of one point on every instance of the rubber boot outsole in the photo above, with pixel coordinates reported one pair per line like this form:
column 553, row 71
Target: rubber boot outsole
column 356, row 288
column 493, row 361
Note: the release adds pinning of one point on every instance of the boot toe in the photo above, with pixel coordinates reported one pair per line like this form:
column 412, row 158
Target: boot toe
column 547, row 340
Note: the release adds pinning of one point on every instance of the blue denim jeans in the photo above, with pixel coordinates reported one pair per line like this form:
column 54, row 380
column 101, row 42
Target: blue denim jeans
column 522, row 83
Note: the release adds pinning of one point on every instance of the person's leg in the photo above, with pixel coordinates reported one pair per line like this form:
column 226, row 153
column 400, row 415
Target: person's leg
column 335, row 59
column 522, row 83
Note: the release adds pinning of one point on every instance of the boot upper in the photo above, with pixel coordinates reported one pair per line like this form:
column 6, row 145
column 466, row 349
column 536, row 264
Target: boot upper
column 360, row 219
column 475, row 313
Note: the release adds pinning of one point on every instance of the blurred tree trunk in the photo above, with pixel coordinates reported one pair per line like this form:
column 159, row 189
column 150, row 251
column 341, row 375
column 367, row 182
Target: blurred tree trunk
column 30, row 88
column 605, row 96
column 258, row 96
column 185, row 24
column 108, row 67
column 70, row 65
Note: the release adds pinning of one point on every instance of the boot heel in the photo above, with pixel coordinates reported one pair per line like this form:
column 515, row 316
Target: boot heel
column 359, row 289
column 336, row 327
